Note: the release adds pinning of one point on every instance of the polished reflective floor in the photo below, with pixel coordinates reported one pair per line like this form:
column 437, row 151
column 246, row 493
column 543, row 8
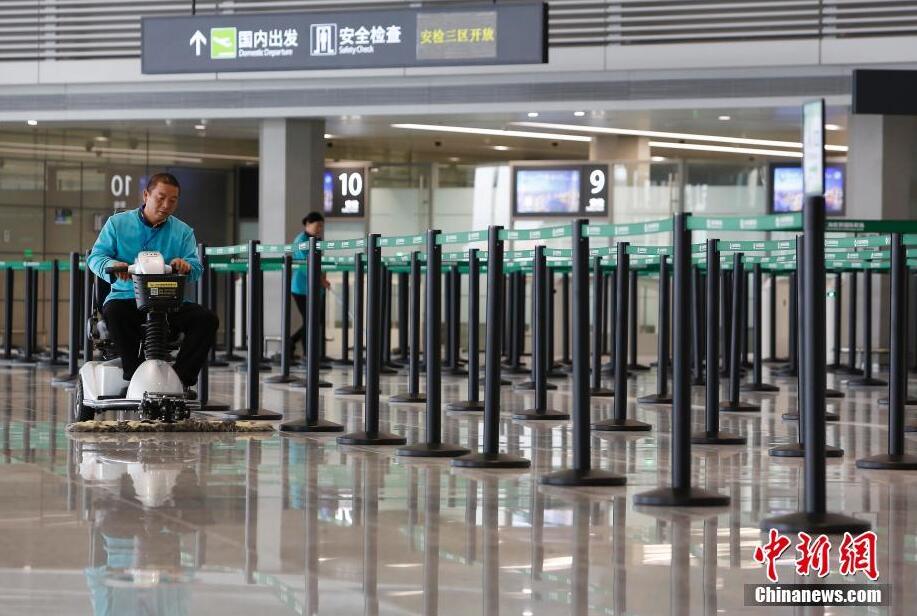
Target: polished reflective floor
column 270, row 524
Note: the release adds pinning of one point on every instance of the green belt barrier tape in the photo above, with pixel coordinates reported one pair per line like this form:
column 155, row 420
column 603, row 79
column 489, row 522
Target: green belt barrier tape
column 909, row 240
column 342, row 244
column 558, row 252
column 282, row 248
column 636, row 228
column 229, row 267
column 465, row 237
column 858, row 242
column 649, row 250
column 857, row 256
column 769, row 222
column 860, row 265
column 402, row 240
column 545, row 233
column 845, row 225
column 226, row 250
column 755, row 246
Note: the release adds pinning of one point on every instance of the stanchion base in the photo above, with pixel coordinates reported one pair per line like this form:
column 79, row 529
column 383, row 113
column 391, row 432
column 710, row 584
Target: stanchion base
column 465, row 406
column 515, row 370
column 776, row 360
column 279, row 378
column 371, row 438
column 655, row 399
column 301, row 383
column 848, row 370
column 786, row 373
column 638, row 367
column 407, row 398
column 350, row 390
column 888, row 462
column 491, row 461
column 759, row 387
column 601, row 392
column 795, row 450
column 794, row 416
column 717, row 438
column 26, row 360
column 557, row 374
column 256, row 415
column 230, row 358
column 263, row 367
column 342, row 362
column 833, row 393
column 621, row 425
column 699, row 381
column 834, row 367
column 907, row 402
column 530, row 386
column 389, row 371
column 865, row 382
column 535, row 415
column 683, row 497
column 822, row 523
column 304, row 425
column 591, row 478
column 215, row 407
column 64, row 379
column 432, row 450
column 455, row 371
column 741, row 407
column 217, row 363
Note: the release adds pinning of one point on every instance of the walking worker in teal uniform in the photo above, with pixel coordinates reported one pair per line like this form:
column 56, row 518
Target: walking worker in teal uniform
column 313, row 226
column 152, row 227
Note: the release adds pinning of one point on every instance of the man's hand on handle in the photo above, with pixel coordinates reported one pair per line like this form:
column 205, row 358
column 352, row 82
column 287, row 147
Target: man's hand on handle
column 180, row 266
column 122, row 272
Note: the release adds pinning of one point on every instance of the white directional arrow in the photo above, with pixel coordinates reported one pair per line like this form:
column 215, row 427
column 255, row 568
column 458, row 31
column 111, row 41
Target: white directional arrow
column 197, row 40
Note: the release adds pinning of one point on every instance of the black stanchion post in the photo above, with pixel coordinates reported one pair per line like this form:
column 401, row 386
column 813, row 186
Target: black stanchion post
column 662, row 340
column 697, row 326
column 473, row 404
column 286, row 348
column 836, row 351
column 54, row 330
column 605, row 287
column 229, row 317
column 403, row 318
column 896, row 458
column 371, row 435
column 756, row 324
column 814, row 517
column 596, row 390
column 619, row 422
column 205, row 299
column 345, row 319
column 540, row 359
column 712, row 435
column 73, row 352
column 867, row 380
column 491, row 457
column 565, row 319
column 88, row 286
column 632, row 325
column 743, row 327
column 311, row 422
column 582, row 473
column 530, row 384
column 792, row 368
column 516, row 323
column 772, row 323
column 253, row 409
column 681, row 493
column 243, row 317
column 30, row 298
column 413, row 394
column 733, row 404
column 434, row 446
column 356, row 388
column 9, row 291
column 851, row 367
column 454, row 325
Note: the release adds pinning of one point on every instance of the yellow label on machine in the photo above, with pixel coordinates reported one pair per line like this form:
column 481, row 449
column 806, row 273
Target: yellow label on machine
column 165, row 284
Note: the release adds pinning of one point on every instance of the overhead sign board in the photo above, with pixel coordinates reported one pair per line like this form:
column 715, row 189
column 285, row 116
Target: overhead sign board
column 344, row 191
column 546, row 190
column 409, row 37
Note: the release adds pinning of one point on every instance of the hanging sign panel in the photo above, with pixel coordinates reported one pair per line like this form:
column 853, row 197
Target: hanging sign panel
column 541, row 191
column 409, row 37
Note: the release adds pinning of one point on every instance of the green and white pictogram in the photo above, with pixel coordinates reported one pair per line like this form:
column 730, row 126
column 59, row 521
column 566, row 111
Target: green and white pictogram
column 222, row 43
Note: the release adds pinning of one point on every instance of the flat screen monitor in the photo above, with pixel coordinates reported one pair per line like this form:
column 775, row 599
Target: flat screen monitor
column 547, row 192
column 786, row 194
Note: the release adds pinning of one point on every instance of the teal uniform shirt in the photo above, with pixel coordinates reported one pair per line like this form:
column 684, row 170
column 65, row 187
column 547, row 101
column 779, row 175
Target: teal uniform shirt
column 300, row 284
column 126, row 234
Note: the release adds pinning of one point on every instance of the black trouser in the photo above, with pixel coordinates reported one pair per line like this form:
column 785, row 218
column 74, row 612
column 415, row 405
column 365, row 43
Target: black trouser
column 302, row 304
column 198, row 324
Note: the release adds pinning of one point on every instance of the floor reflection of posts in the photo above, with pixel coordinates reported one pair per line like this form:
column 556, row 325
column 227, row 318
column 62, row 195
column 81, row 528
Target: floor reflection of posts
column 313, row 456
column 491, row 568
column 579, row 581
column 252, row 461
column 814, row 516
column 371, row 481
column 431, row 545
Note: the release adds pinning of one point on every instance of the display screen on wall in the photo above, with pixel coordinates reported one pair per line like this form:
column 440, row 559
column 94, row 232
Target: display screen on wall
column 344, row 192
column 569, row 190
column 787, row 191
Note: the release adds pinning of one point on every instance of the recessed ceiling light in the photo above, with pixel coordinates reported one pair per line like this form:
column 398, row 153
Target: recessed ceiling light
column 32, row 122
column 579, row 114
column 454, row 159
column 603, row 130
column 833, row 127
column 658, row 159
column 533, row 114
column 724, row 118
column 328, row 135
column 467, row 130
column 200, row 127
column 501, row 148
column 101, row 138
